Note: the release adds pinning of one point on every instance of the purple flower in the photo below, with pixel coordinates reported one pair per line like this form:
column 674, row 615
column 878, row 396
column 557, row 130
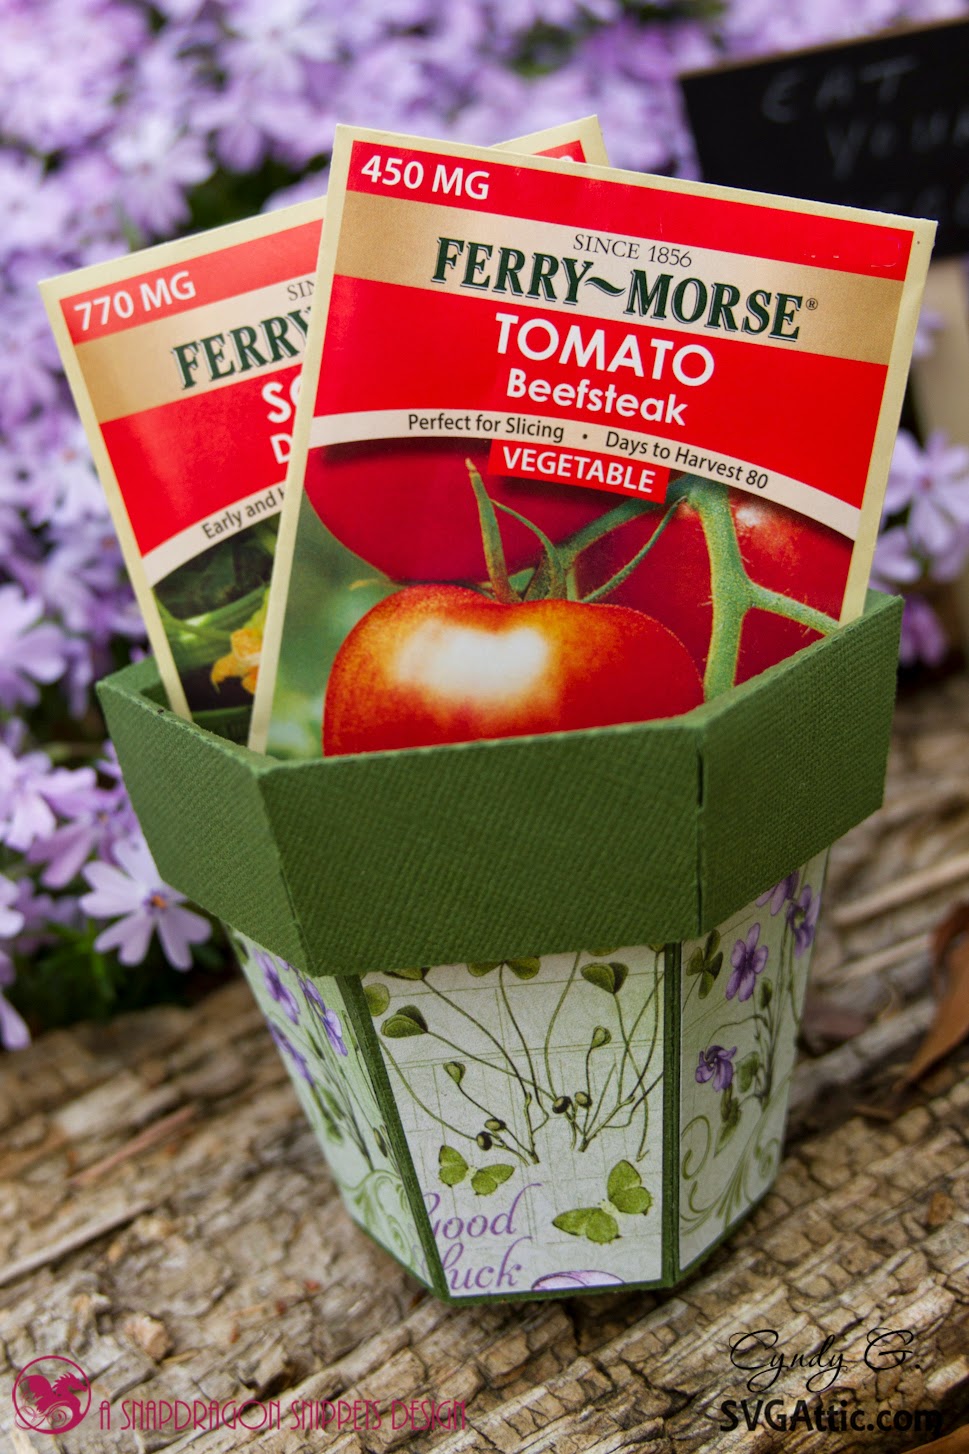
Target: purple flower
column 933, row 483
column 33, row 794
column 778, row 896
column 270, row 43
column 802, row 917
column 156, row 164
column 29, row 363
column 11, row 918
column 34, row 207
column 288, row 1048
column 135, row 891
column 895, row 563
column 748, row 960
column 753, row 27
column 923, row 635
column 716, row 1064
column 97, row 819
column 31, row 650
column 329, row 1018
column 14, row 1034
column 274, row 984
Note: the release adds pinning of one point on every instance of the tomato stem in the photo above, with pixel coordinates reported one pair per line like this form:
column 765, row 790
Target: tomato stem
column 491, row 542
column 805, row 615
column 572, row 548
column 631, row 565
column 732, row 591
column 556, row 585
column 728, row 581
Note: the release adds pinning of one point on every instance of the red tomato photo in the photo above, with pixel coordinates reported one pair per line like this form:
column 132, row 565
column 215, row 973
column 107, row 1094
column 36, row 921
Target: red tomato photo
column 436, row 664
column 406, row 507
column 780, row 550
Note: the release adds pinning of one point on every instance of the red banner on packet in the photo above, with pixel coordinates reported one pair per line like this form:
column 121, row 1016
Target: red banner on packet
column 579, row 467
column 560, row 406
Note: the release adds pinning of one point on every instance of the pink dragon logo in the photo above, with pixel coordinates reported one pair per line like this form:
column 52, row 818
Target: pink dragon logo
column 51, row 1395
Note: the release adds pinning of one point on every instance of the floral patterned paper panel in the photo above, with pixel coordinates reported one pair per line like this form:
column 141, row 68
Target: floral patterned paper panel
column 531, row 1092
column 741, row 994
column 309, row 1022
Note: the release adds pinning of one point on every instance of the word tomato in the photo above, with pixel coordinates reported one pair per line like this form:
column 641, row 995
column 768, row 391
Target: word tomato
column 441, row 663
column 406, row 507
column 780, row 550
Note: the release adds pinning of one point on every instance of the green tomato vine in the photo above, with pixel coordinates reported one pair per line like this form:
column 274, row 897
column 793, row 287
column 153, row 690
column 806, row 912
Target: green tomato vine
column 732, row 591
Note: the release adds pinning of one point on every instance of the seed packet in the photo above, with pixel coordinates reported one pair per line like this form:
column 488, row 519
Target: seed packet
column 185, row 362
column 584, row 446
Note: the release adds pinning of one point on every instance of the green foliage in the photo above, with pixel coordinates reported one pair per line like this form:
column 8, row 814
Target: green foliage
column 521, row 968
column 707, row 963
column 729, row 1119
column 606, row 976
column 377, row 997
column 68, row 980
column 747, row 1070
column 406, row 1021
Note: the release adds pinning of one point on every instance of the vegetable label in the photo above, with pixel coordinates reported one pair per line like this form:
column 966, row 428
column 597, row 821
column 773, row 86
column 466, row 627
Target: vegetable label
column 185, row 364
column 541, row 390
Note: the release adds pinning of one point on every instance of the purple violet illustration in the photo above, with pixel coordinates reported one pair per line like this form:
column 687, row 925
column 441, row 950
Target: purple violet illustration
column 274, row 984
column 779, row 895
column 716, row 1064
column 288, row 1048
column 330, row 1019
column 748, row 959
column 802, row 916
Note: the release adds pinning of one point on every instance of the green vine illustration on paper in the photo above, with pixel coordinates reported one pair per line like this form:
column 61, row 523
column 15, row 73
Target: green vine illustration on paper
column 763, row 984
column 325, row 1065
column 381, row 1201
column 625, row 1196
column 514, row 1093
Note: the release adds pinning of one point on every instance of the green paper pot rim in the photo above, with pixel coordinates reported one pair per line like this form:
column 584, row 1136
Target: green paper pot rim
column 641, row 833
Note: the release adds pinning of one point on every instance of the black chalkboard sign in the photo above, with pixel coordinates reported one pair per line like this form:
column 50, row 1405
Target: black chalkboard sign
column 880, row 123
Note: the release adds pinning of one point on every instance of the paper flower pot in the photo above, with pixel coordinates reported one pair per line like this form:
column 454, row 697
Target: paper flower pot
column 538, row 996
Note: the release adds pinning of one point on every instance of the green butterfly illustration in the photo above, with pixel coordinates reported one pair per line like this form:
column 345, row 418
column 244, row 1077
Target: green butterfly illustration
column 452, row 1169
column 625, row 1194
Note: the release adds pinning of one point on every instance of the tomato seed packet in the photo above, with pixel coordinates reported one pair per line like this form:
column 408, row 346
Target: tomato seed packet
column 184, row 361
column 584, row 446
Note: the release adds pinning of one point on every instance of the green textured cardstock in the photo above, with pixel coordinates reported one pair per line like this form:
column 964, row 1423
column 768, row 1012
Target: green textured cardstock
column 644, row 833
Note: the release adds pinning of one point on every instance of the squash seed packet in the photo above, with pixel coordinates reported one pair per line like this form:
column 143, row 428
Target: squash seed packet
column 185, row 361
